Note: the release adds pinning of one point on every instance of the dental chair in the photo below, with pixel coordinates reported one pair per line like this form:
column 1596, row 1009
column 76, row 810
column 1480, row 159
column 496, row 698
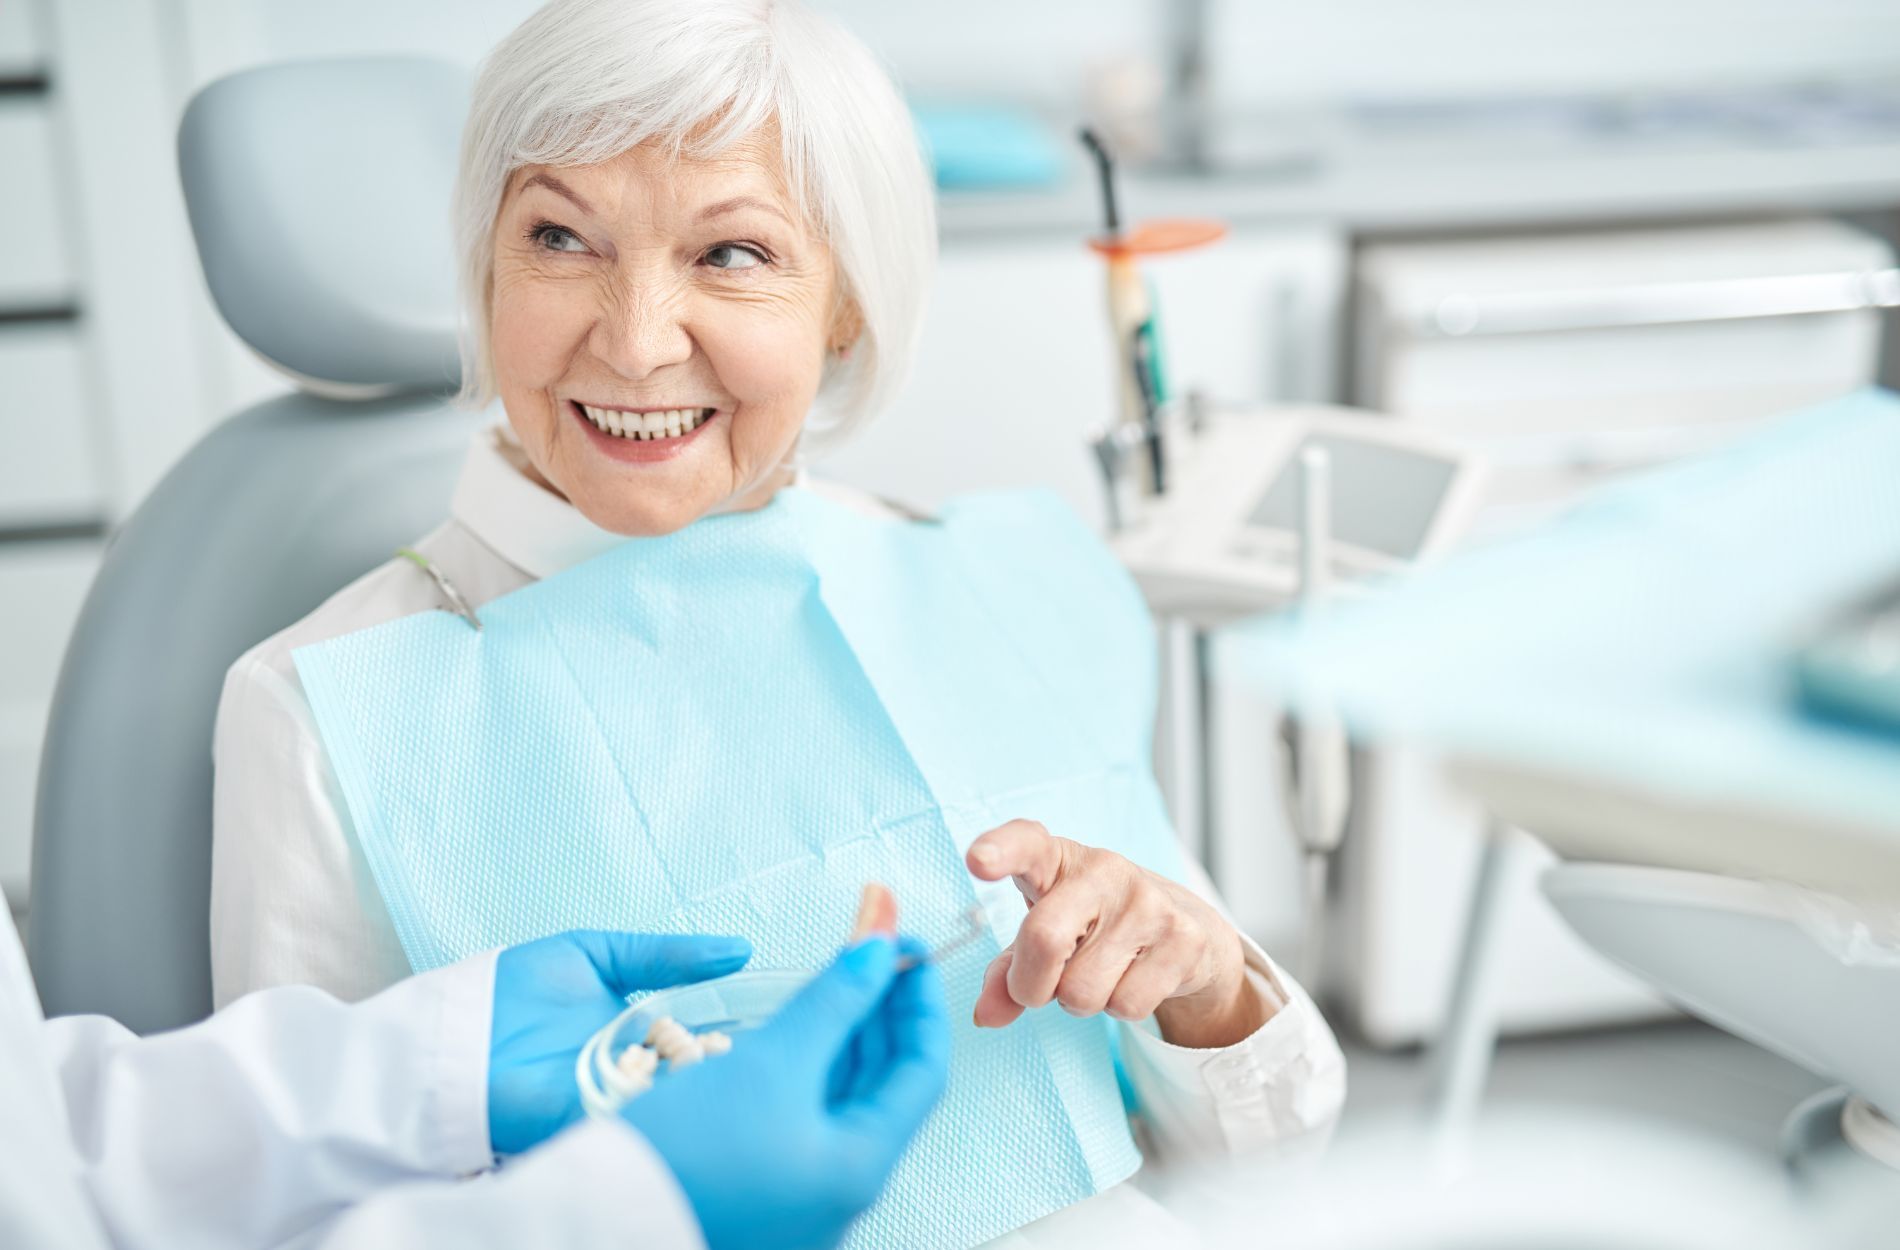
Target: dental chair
column 319, row 198
column 1796, row 952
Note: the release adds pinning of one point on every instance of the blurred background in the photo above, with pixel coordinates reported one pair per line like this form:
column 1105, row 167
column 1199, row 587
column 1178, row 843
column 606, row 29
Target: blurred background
column 1696, row 169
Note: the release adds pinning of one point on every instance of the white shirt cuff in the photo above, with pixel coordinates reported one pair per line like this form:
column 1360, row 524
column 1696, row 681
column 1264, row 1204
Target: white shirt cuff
column 1286, row 1079
column 463, row 996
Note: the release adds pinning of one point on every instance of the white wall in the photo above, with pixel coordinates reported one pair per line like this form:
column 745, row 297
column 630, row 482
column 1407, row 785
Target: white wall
column 1279, row 49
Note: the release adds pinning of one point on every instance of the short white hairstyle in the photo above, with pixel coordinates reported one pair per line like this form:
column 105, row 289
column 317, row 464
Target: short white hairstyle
column 582, row 81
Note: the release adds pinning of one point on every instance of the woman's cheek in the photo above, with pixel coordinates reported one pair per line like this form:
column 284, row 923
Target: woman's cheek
column 533, row 336
column 773, row 371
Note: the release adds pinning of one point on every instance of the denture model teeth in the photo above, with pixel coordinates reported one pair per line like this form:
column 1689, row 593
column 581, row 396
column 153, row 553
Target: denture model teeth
column 667, row 1041
column 634, row 1070
column 674, row 1042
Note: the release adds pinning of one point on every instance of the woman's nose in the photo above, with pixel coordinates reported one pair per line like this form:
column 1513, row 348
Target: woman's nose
column 644, row 330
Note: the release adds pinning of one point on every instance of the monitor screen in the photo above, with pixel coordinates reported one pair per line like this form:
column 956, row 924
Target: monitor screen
column 1384, row 497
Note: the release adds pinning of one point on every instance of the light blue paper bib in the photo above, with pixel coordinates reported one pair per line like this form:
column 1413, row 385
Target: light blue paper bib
column 731, row 729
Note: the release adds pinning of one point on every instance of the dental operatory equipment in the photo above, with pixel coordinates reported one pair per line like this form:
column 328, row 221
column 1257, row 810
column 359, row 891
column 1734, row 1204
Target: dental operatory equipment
column 1266, row 508
column 1140, row 388
column 1225, row 540
column 1617, row 683
column 1318, row 759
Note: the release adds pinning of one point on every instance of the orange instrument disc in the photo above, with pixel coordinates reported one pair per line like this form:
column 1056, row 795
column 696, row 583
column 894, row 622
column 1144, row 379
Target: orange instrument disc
column 1169, row 234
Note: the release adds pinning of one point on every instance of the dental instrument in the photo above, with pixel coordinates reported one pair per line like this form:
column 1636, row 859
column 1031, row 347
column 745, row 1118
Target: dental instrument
column 1132, row 319
column 975, row 923
column 877, row 914
column 684, row 1026
column 1319, row 759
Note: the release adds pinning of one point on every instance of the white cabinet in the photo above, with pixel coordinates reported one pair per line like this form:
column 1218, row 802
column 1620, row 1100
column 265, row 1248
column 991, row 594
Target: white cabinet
column 1564, row 359
column 41, row 587
column 1568, row 357
column 36, row 267
column 50, row 472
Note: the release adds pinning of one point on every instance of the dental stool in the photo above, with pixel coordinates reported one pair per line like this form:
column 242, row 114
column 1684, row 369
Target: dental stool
column 319, row 197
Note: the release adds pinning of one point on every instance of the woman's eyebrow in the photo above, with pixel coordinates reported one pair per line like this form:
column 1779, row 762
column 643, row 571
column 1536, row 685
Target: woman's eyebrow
column 560, row 188
column 738, row 202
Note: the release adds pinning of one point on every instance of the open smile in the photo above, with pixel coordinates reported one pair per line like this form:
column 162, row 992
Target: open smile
column 646, row 424
column 642, row 436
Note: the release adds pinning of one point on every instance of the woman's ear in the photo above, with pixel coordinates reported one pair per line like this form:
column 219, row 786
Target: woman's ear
column 846, row 325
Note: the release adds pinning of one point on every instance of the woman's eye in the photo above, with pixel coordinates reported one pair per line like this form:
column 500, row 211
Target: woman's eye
column 735, row 256
column 558, row 239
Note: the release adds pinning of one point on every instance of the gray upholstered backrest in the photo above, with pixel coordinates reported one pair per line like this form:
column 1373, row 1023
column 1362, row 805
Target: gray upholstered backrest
column 275, row 510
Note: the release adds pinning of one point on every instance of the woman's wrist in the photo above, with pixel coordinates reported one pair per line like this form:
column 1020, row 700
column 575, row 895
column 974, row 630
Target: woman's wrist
column 1224, row 1014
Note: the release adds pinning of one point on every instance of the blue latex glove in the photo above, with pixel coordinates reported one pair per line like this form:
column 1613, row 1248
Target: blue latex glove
column 784, row 1140
column 554, row 994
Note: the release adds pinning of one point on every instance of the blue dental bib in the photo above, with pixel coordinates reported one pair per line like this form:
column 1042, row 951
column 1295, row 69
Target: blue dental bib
column 731, row 729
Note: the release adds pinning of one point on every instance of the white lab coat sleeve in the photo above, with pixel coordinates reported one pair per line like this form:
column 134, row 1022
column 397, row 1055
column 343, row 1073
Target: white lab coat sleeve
column 292, row 898
column 1278, row 1091
column 597, row 1185
column 269, row 1118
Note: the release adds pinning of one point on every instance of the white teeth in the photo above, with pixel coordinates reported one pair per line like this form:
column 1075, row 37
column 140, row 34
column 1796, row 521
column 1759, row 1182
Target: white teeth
column 647, row 426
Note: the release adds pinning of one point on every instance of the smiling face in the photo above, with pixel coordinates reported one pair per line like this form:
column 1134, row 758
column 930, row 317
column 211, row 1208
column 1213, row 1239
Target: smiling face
column 659, row 329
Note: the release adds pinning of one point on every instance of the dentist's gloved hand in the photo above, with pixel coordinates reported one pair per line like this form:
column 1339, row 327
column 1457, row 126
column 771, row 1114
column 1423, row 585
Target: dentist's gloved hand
column 554, row 994
column 784, row 1140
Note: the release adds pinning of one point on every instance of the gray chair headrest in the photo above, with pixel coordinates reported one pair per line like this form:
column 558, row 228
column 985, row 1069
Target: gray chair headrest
column 319, row 194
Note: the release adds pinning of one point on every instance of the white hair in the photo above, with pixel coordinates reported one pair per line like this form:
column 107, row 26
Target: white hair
column 582, row 81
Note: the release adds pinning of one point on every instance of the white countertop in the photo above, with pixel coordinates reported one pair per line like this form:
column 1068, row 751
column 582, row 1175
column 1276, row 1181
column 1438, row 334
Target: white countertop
column 1377, row 188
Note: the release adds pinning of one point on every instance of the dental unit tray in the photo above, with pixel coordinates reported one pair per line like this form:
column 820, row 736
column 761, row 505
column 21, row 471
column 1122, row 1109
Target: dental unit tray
column 1224, row 541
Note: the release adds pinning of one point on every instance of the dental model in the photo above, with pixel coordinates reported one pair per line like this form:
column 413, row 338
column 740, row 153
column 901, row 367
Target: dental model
column 672, row 1042
column 667, row 1040
column 877, row 912
column 634, row 1070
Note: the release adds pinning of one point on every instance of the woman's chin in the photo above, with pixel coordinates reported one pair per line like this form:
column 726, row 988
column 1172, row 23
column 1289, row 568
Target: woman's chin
column 649, row 518
column 637, row 501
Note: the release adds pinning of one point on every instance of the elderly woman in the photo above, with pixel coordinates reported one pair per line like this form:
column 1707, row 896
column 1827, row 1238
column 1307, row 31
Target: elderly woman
column 695, row 239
